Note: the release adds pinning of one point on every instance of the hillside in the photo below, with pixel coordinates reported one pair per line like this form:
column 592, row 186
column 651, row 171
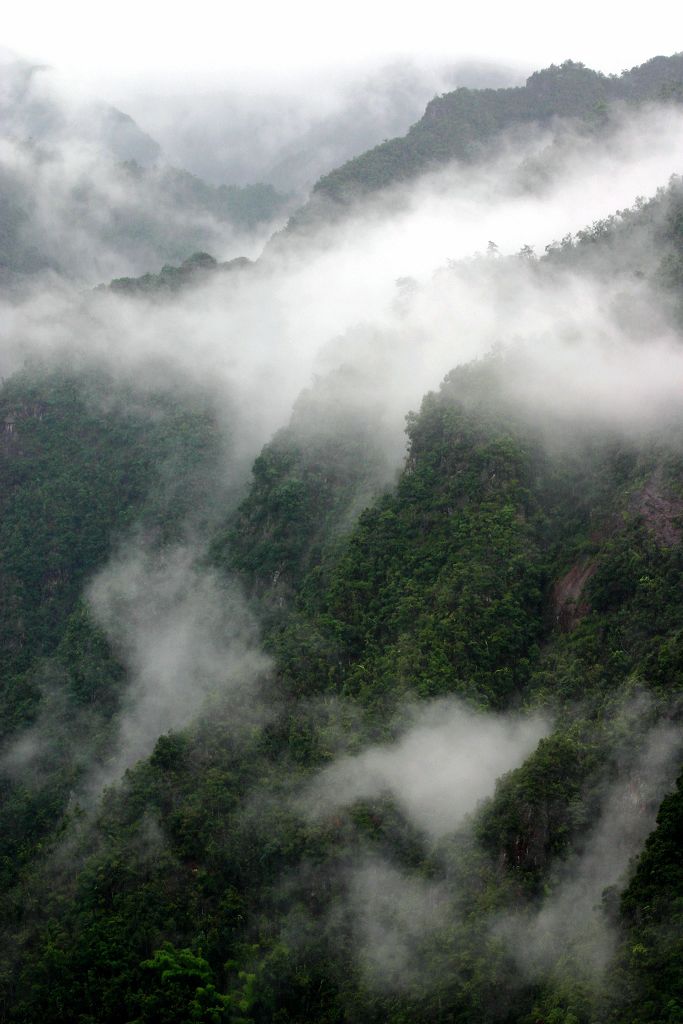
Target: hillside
column 466, row 124
column 480, row 577
column 354, row 737
column 288, row 136
column 122, row 218
column 87, row 195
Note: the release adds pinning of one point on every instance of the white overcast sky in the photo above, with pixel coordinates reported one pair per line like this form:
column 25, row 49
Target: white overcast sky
column 194, row 43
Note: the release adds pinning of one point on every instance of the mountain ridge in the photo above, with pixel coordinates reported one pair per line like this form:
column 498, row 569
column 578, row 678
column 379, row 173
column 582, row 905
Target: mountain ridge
column 361, row 740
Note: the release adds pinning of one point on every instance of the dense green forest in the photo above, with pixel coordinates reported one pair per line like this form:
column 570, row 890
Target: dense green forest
column 496, row 571
column 465, row 125
column 280, row 851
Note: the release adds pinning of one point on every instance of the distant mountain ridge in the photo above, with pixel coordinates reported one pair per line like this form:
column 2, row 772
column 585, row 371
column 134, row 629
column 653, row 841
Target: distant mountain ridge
column 86, row 194
column 32, row 109
column 461, row 125
column 292, row 135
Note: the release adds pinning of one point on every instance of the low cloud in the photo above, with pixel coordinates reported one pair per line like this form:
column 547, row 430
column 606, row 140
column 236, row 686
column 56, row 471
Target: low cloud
column 394, row 916
column 594, row 339
column 438, row 770
column 185, row 637
column 571, row 932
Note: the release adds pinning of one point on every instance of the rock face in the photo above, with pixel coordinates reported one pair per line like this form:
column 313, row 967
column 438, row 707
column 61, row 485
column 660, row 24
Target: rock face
column 11, row 420
column 569, row 604
column 661, row 512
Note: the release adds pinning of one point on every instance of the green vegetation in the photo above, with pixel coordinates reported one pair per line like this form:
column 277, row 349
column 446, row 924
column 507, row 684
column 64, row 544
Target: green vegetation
column 82, row 462
column 200, row 892
column 465, row 124
column 518, row 563
column 196, row 269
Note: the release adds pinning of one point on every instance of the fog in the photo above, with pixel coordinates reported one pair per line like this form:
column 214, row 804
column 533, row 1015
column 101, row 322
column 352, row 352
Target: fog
column 376, row 308
column 185, row 637
column 363, row 312
column 259, row 336
column 395, row 918
column 188, row 644
column 573, row 928
column 90, row 220
column 89, row 196
column 308, row 125
column 438, row 770
column 403, row 925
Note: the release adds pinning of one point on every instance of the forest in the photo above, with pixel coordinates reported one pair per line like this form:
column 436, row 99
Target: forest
column 342, row 661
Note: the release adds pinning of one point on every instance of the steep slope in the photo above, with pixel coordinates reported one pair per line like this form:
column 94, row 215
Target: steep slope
column 82, row 460
column 86, row 194
column 650, row 956
column 464, row 125
column 275, row 860
column 447, row 586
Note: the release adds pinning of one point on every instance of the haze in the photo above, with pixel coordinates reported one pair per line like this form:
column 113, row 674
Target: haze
column 173, row 48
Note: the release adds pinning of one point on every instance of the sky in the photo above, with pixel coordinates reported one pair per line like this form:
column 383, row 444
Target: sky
column 177, row 45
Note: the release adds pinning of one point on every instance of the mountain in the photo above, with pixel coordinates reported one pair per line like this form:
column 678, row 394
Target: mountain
column 193, row 270
column 123, row 218
column 289, row 136
column 466, row 124
column 85, row 194
column 34, row 105
column 348, row 737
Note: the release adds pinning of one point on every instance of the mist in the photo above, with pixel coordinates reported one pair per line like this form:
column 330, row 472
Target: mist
column 443, row 765
column 335, row 327
column 396, row 918
column 260, row 336
column 598, row 346
column 573, row 929
column 186, row 638
column 291, row 132
column 88, row 219
column 89, row 196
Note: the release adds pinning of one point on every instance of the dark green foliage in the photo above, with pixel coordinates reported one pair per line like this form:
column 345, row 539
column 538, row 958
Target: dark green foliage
column 440, row 589
column 515, row 564
column 83, row 461
column 649, row 981
column 79, row 465
column 202, row 893
column 197, row 269
column 183, row 992
column 536, row 810
column 462, row 125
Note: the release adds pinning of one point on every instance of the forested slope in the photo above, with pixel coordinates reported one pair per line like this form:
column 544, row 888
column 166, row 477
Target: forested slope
column 480, row 576
column 459, row 124
column 467, row 124
column 294, row 845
